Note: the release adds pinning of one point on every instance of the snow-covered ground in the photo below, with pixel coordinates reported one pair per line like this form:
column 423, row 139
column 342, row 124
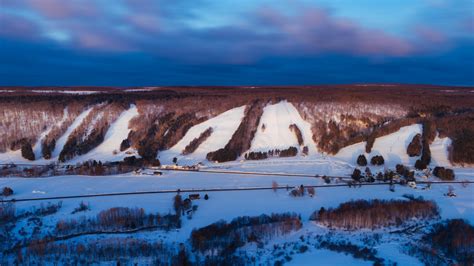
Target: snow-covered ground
column 439, row 151
column 63, row 139
column 223, row 126
column 109, row 149
column 393, row 147
column 274, row 129
column 231, row 204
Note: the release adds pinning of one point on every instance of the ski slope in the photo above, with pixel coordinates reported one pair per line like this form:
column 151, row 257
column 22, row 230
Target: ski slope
column 63, row 139
column 439, row 151
column 274, row 129
column 223, row 126
column 393, row 147
column 109, row 149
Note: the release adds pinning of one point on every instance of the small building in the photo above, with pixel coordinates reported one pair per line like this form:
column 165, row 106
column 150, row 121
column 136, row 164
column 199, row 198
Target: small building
column 194, row 196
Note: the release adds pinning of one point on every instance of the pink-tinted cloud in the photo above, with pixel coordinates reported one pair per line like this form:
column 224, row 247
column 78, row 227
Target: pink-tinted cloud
column 317, row 31
column 146, row 23
column 430, row 35
column 90, row 38
column 17, row 26
column 61, row 9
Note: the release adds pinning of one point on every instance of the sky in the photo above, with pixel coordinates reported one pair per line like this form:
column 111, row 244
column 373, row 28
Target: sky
column 228, row 42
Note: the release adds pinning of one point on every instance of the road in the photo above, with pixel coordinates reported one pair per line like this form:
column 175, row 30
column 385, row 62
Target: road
column 175, row 191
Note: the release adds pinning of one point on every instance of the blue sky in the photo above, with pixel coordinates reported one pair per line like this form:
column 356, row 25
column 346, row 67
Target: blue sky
column 203, row 42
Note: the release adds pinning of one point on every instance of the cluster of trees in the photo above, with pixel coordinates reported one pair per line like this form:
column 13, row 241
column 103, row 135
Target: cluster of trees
column 72, row 110
column 91, row 132
column 194, row 144
column 258, row 155
column 372, row 214
column 125, row 144
column 242, row 137
column 415, row 147
column 463, row 146
column 364, row 253
column 443, row 173
column 115, row 250
column 225, row 238
column 43, row 210
column 116, row 219
column 361, row 160
column 7, row 212
column 82, row 207
column 30, row 171
column 26, row 120
column 429, row 134
column 370, row 177
column 7, row 191
column 295, row 129
column 92, row 167
column 377, row 160
column 27, row 150
column 405, row 172
column 455, row 238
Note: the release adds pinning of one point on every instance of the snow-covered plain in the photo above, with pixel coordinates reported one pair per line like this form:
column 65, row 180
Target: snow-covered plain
column 229, row 205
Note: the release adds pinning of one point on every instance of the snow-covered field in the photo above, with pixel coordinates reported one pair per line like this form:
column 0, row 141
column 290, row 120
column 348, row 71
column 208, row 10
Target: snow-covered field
column 232, row 204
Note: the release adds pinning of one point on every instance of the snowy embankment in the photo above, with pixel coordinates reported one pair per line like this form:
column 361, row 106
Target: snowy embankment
column 274, row 129
column 109, row 149
column 223, row 127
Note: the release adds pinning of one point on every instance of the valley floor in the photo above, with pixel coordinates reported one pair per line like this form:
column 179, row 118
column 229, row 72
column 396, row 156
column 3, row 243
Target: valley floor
column 228, row 205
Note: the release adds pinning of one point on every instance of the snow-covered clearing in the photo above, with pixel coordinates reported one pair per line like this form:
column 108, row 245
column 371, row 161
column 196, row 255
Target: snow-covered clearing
column 231, row 204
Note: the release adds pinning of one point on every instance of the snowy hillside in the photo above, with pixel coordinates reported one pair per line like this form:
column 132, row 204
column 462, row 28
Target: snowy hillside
column 223, row 126
column 278, row 128
column 109, row 149
column 440, row 151
column 274, row 130
column 392, row 147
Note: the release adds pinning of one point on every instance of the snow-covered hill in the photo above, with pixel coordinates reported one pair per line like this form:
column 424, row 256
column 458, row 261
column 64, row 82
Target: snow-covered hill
column 280, row 127
column 274, row 130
